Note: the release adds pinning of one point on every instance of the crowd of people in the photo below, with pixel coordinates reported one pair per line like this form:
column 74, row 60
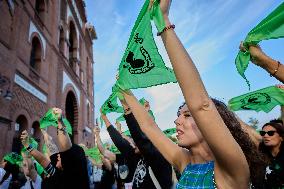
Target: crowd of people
column 214, row 148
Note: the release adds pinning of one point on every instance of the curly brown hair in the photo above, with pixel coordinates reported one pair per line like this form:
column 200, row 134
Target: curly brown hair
column 256, row 160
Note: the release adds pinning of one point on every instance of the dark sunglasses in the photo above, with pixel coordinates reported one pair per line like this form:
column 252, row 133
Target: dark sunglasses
column 270, row 133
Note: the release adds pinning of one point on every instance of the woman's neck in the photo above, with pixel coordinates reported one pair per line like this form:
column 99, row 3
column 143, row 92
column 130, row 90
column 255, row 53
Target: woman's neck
column 275, row 150
column 201, row 153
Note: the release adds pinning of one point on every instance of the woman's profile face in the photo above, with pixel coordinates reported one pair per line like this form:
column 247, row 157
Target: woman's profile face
column 188, row 133
column 271, row 141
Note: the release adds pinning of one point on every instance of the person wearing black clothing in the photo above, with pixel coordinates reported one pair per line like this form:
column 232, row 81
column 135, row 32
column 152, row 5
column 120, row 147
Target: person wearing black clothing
column 68, row 169
column 138, row 168
column 108, row 176
column 273, row 147
column 159, row 165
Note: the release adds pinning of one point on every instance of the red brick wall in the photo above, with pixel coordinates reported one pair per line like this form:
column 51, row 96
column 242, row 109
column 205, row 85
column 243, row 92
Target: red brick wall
column 15, row 50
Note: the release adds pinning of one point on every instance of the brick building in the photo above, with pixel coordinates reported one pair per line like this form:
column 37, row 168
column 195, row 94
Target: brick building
column 46, row 61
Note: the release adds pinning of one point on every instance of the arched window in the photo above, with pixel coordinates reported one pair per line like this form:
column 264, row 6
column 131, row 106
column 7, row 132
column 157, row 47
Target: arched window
column 71, row 113
column 40, row 9
column 88, row 114
column 35, row 58
column 61, row 40
column 73, row 42
column 20, row 125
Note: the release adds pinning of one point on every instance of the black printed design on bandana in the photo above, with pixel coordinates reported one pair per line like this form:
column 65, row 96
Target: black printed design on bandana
column 138, row 66
column 255, row 99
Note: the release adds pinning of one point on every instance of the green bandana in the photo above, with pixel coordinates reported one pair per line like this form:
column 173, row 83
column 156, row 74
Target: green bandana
column 13, row 158
column 261, row 100
column 272, row 27
column 169, row 132
column 50, row 119
column 120, row 118
column 142, row 66
column 39, row 168
column 114, row 149
column 32, row 142
column 111, row 105
column 94, row 153
column 142, row 101
column 127, row 133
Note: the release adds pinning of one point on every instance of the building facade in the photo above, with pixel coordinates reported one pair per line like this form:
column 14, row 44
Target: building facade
column 46, row 60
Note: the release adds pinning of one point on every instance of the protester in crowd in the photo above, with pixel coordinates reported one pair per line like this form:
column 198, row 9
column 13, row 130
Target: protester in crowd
column 259, row 58
column 208, row 155
column 124, row 163
column 90, row 170
column 161, row 169
column 97, row 174
column 108, row 175
column 10, row 176
column 273, row 146
column 66, row 169
column 33, row 179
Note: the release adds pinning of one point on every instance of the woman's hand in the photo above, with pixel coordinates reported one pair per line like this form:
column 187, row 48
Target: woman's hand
column 280, row 86
column 257, row 55
column 96, row 131
column 165, row 7
column 25, row 138
column 57, row 112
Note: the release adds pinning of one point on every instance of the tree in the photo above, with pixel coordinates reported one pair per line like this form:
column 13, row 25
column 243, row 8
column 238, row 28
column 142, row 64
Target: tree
column 253, row 122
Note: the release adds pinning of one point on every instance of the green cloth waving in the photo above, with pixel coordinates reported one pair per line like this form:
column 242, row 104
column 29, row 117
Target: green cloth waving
column 111, row 105
column 142, row 66
column 50, row 119
column 120, row 118
column 261, row 100
column 94, row 153
column 272, row 27
column 13, row 158
column 169, row 132
column 32, row 142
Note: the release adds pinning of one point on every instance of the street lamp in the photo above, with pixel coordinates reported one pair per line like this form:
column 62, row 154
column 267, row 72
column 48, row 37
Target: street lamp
column 7, row 94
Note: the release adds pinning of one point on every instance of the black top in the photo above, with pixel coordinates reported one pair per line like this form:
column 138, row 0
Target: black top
column 138, row 169
column 161, row 168
column 74, row 173
column 274, row 176
column 107, row 179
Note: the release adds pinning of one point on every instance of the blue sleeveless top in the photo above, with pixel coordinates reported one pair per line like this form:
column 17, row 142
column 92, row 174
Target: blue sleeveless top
column 197, row 176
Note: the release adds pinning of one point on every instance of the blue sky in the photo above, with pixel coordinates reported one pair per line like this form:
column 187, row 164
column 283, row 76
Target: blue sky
column 211, row 31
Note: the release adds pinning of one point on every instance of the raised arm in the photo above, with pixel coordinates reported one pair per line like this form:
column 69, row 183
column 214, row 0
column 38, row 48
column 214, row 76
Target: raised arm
column 122, row 144
column 282, row 114
column 107, row 163
column 259, row 58
column 106, row 153
column 229, row 157
column 175, row 155
column 143, row 143
column 253, row 134
column 64, row 142
column 41, row 159
column 281, row 107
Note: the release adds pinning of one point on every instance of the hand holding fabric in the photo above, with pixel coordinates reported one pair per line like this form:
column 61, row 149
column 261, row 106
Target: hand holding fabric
column 57, row 112
column 97, row 131
column 25, row 138
column 165, row 7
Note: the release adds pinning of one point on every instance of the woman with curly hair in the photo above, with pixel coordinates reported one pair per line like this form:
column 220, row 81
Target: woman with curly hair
column 212, row 151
